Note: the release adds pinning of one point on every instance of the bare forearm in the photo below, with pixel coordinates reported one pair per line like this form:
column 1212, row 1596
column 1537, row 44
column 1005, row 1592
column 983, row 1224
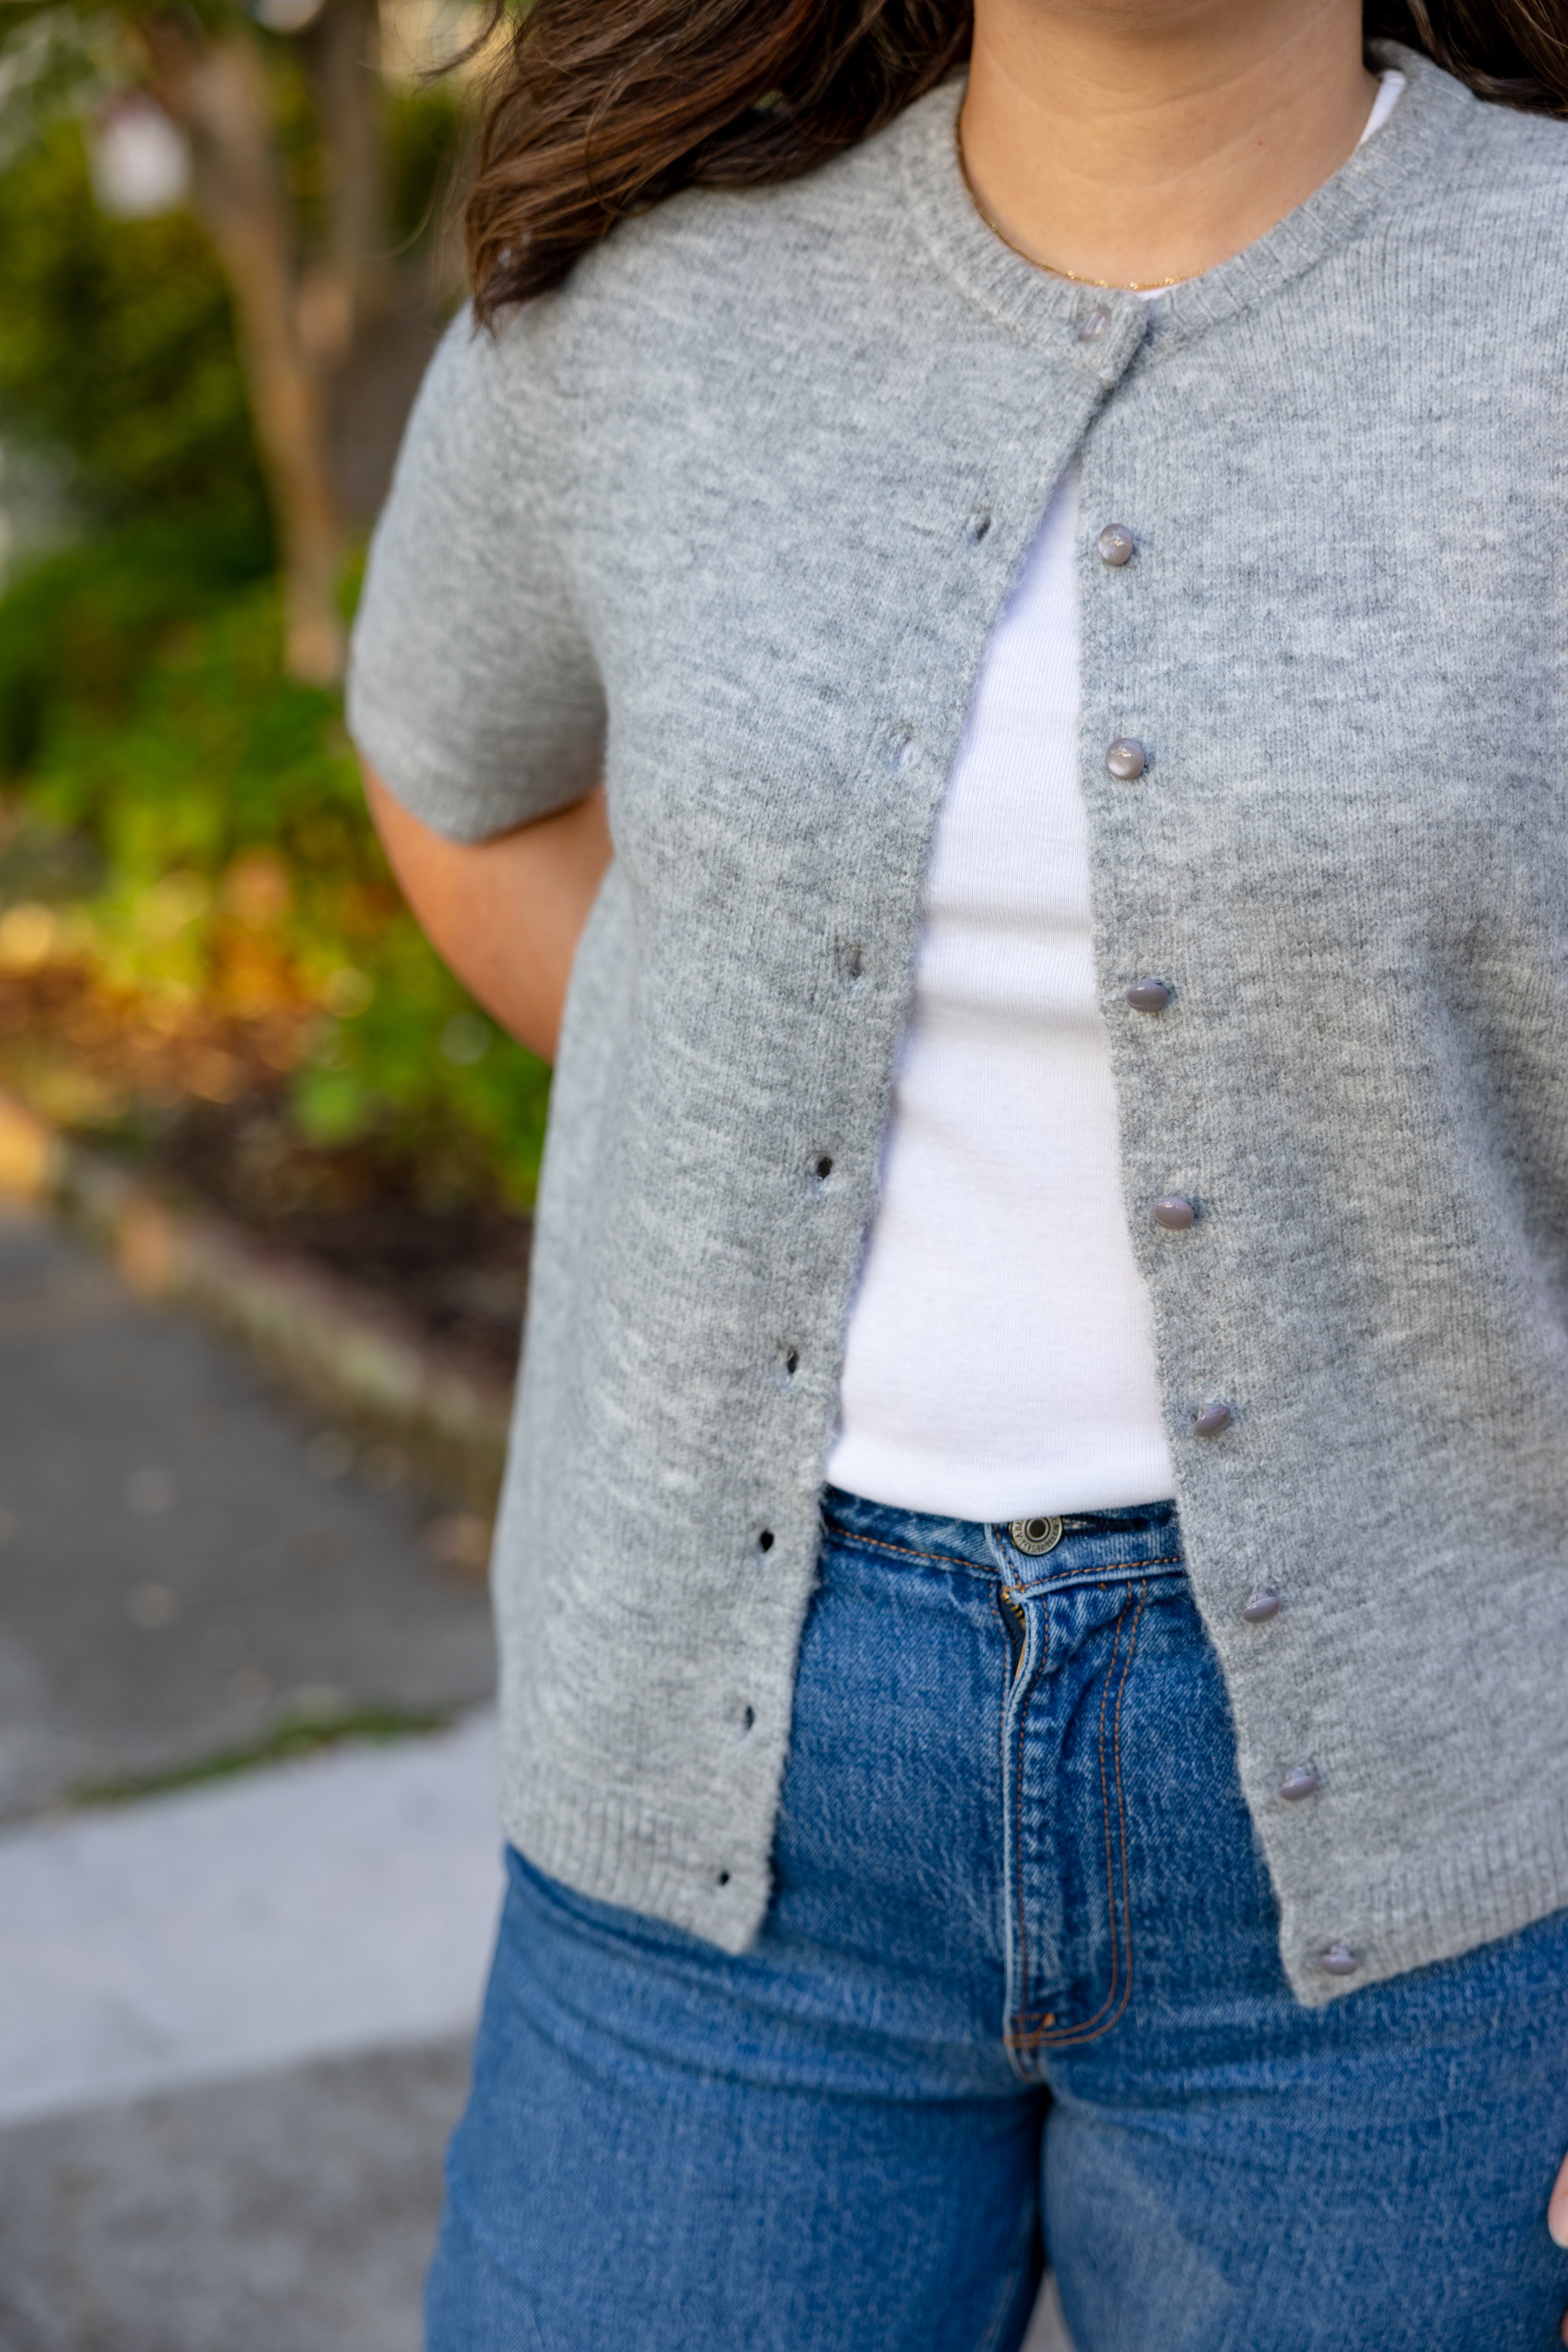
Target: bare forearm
column 506, row 915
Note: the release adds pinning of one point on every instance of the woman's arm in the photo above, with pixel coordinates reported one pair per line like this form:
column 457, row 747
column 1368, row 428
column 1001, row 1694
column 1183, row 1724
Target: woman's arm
column 505, row 913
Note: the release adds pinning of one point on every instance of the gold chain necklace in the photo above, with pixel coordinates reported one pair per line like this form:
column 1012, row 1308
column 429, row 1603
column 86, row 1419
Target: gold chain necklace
column 1051, row 269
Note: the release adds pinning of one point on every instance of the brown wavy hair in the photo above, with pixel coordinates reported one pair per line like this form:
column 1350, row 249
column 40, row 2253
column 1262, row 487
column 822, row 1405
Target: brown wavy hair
column 606, row 107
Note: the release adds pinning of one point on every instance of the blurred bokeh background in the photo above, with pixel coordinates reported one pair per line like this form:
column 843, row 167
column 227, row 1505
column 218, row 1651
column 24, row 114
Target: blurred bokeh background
column 265, row 1179
column 227, row 244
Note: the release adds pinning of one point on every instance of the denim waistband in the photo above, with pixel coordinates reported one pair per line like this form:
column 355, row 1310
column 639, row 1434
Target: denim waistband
column 1091, row 1543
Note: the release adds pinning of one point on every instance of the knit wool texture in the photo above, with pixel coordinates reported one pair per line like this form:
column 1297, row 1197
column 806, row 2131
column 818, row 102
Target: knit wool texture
column 728, row 518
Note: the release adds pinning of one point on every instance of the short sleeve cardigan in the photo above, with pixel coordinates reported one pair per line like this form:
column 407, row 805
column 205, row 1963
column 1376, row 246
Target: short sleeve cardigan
column 728, row 518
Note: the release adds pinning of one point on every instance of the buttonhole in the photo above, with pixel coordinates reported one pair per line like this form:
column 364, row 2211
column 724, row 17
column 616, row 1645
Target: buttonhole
column 979, row 524
column 902, row 746
column 791, row 1363
column 822, row 1168
column 749, row 1719
column 723, row 1878
column 766, row 1540
column 853, row 963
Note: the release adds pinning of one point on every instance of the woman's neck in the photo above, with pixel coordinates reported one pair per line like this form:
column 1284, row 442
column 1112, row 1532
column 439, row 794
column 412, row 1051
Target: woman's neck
column 1132, row 142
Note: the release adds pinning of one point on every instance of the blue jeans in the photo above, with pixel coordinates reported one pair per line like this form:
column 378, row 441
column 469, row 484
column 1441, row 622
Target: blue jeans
column 1018, row 1991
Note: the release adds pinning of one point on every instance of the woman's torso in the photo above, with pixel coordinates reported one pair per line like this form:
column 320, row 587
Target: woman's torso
column 751, row 494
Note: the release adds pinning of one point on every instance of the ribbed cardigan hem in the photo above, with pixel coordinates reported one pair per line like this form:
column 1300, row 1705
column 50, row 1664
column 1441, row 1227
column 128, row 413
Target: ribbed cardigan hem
column 627, row 1854
column 1433, row 1906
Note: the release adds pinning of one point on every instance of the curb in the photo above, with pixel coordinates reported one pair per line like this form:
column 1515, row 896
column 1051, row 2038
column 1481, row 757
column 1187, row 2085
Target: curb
column 345, row 1349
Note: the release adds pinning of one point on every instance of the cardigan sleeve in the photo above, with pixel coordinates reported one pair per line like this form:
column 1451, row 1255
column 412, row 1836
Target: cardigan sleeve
column 473, row 690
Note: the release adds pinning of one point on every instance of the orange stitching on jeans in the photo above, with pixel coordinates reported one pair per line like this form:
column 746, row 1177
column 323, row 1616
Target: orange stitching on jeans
column 1018, row 1794
column 1090, row 2028
column 1075, row 2037
column 1112, row 1570
column 1006, row 1698
column 1111, row 1882
column 942, row 1559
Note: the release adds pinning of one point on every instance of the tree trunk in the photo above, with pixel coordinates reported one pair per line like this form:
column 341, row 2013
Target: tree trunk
column 341, row 52
column 215, row 90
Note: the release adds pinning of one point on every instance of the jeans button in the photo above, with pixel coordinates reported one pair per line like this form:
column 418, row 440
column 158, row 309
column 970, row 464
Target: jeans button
column 1034, row 1536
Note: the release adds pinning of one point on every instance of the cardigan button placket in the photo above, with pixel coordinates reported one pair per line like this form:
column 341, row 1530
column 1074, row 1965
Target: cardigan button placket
column 1243, row 794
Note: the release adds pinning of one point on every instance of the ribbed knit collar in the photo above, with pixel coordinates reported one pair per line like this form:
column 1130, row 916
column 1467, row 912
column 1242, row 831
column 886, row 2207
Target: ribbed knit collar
column 1418, row 142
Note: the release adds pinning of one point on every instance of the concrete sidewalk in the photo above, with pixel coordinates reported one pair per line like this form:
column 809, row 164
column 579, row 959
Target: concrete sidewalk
column 214, row 1941
column 341, row 1904
column 182, row 1561
column 294, row 2212
column 186, row 1563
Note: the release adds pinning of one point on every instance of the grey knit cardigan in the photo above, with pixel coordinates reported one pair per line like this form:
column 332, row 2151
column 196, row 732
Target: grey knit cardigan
column 728, row 518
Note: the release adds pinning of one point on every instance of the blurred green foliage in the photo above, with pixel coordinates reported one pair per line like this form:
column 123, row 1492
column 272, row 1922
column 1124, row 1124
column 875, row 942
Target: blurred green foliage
column 143, row 714
column 220, row 795
column 116, row 338
column 77, row 630
column 425, row 127
column 116, row 345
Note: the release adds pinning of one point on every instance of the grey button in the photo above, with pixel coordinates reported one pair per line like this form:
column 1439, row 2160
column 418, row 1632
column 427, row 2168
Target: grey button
column 1260, row 1608
column 1126, row 758
column 1212, row 1419
column 1115, row 545
column 1094, row 326
column 1174, row 1214
column 1301, row 1783
column 1148, row 996
column 1035, row 1536
column 1338, row 1962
